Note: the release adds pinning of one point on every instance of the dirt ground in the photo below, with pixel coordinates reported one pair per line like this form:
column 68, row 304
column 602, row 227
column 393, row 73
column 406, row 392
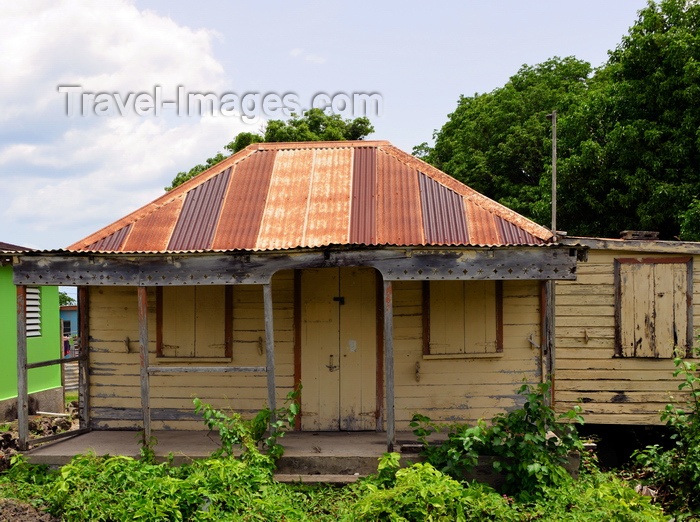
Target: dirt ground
column 14, row 511
column 39, row 426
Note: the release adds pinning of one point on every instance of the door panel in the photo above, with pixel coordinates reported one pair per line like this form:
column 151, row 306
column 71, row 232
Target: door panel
column 338, row 352
column 358, row 349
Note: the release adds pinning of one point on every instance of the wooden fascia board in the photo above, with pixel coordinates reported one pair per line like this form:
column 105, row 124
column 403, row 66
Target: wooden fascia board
column 395, row 264
column 631, row 245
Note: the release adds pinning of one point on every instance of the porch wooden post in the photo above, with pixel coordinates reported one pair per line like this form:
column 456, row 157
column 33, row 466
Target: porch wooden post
column 389, row 364
column 550, row 333
column 22, row 374
column 270, row 348
column 143, row 341
column 84, row 363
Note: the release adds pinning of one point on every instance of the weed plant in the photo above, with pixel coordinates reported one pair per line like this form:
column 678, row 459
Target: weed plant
column 531, row 444
column 675, row 472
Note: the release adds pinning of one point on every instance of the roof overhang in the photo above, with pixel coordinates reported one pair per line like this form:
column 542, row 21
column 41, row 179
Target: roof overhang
column 227, row 268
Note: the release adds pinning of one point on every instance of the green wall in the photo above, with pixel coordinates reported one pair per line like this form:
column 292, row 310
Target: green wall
column 45, row 347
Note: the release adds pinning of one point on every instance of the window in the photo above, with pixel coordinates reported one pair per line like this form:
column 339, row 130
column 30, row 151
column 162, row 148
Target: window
column 33, row 311
column 653, row 308
column 194, row 321
column 462, row 318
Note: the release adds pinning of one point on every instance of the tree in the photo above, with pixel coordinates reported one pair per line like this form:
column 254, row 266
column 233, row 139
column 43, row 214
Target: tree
column 313, row 125
column 64, row 299
column 629, row 134
column 499, row 143
column 634, row 157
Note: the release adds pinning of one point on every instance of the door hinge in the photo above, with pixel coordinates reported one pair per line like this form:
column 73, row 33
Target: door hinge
column 339, row 299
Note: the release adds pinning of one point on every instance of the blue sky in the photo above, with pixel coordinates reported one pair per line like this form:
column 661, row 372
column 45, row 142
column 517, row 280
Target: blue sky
column 64, row 177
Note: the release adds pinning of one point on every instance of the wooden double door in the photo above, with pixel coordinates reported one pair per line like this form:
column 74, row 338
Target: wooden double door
column 339, row 349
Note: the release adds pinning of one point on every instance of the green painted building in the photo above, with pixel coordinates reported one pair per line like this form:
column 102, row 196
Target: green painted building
column 44, row 342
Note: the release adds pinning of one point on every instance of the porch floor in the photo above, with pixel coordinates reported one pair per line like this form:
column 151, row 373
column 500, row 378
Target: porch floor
column 332, row 455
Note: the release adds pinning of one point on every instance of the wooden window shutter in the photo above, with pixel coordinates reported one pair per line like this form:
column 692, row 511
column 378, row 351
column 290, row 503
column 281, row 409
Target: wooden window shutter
column 653, row 316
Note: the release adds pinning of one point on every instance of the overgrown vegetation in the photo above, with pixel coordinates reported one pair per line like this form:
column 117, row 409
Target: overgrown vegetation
column 531, row 444
column 675, row 472
column 238, row 482
column 266, row 427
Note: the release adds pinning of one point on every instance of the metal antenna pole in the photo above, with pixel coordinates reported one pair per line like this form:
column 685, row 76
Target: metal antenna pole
column 553, row 116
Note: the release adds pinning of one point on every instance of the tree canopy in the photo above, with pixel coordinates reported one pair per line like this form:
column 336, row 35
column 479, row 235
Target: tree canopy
column 628, row 134
column 313, row 125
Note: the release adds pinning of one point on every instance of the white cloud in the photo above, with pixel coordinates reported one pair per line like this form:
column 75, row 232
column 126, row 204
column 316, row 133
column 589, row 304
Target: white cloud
column 64, row 178
column 297, row 51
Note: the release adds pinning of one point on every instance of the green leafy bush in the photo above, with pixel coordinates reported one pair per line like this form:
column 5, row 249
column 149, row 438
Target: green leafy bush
column 676, row 471
column 531, row 444
column 420, row 492
column 234, row 430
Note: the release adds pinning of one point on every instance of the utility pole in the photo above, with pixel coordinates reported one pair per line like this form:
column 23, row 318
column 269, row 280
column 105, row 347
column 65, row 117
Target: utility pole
column 553, row 117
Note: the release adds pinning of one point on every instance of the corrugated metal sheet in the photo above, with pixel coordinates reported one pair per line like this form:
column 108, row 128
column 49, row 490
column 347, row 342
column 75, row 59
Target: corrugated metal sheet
column 112, row 242
column 275, row 196
column 153, row 232
column 285, row 210
column 481, row 228
column 243, row 207
column 363, row 214
column 512, row 235
column 8, row 247
column 194, row 229
column 399, row 214
column 328, row 208
column 444, row 221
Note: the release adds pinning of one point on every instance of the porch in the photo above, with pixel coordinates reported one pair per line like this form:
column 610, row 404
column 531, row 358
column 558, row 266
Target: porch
column 330, row 457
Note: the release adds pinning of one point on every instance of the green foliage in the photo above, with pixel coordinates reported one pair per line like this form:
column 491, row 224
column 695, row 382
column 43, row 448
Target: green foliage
column 676, row 471
column 595, row 497
column 628, row 140
column 317, row 125
column 531, row 444
column 313, row 125
column 247, row 434
column 181, row 177
column 421, row 492
column 64, row 299
column 499, row 143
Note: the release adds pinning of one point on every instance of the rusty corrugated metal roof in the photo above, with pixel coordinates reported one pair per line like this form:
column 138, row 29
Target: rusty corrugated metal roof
column 277, row 196
column 8, row 247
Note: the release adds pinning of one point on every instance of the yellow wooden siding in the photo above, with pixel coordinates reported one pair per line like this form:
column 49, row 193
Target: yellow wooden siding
column 624, row 390
column 115, row 391
column 464, row 389
column 454, row 389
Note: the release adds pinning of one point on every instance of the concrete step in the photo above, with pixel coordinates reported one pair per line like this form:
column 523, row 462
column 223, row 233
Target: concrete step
column 336, row 480
column 327, row 465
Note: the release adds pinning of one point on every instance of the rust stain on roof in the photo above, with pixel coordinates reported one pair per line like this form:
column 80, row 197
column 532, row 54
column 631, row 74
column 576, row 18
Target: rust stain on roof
column 276, row 196
column 328, row 208
column 285, row 214
column 153, row 231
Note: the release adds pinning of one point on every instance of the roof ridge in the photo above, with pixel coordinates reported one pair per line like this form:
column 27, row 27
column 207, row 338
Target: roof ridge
column 469, row 193
column 167, row 198
column 282, row 145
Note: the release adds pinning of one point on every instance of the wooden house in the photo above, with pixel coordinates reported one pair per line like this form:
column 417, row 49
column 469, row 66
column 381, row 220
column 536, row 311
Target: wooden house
column 43, row 340
column 380, row 284
column 620, row 324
